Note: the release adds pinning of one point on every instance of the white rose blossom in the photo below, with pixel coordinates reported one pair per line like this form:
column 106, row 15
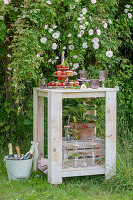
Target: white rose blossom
column 56, row 35
column 86, row 23
column 129, row 15
column 54, row 26
column 76, row 1
column 6, row 2
column 95, row 45
column 84, row 45
column 43, row 40
column 64, row 48
column 125, row 10
column 81, row 32
column 95, row 40
column 54, row 61
column 127, row 6
column 81, row 15
column 72, row 7
column 93, row 1
column 90, row 32
column 57, row 58
column 69, row 35
column 50, row 30
column 109, row 54
column 75, row 56
column 110, row 21
column 84, row 11
column 38, row 55
column 8, row 55
column 98, row 32
column 1, row 17
column 48, row 2
column 83, row 86
column 105, row 25
column 46, row 26
column 54, row 46
column 50, row 60
column 90, row 18
column 79, row 19
column 82, row 26
column 75, row 65
column 79, row 35
column 71, row 46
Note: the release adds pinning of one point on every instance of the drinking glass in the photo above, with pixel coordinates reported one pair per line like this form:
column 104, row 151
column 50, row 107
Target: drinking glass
column 102, row 76
column 83, row 75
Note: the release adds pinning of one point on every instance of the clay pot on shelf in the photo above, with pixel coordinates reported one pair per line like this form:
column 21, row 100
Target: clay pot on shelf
column 84, row 132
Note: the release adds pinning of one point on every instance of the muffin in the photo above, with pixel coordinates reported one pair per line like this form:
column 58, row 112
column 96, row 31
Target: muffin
column 71, row 84
column 56, row 83
column 58, row 72
column 68, row 72
column 76, row 83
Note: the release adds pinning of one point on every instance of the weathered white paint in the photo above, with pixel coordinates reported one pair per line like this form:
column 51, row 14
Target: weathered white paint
column 55, row 138
column 55, row 96
column 100, row 89
column 83, row 171
column 110, row 134
column 41, row 127
column 35, row 123
column 82, row 95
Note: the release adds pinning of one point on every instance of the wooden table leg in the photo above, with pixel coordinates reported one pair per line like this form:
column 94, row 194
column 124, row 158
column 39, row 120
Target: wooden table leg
column 35, row 122
column 55, row 138
column 110, row 135
column 41, row 127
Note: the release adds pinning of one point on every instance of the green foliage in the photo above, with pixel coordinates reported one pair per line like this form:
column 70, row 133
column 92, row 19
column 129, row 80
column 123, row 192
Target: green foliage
column 77, row 108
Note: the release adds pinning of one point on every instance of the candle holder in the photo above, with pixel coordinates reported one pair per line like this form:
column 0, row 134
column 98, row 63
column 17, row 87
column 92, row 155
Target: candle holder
column 102, row 76
column 94, row 83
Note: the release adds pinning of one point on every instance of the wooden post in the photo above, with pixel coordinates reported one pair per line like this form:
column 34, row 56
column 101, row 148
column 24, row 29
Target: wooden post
column 110, row 135
column 41, row 127
column 35, row 122
column 54, row 137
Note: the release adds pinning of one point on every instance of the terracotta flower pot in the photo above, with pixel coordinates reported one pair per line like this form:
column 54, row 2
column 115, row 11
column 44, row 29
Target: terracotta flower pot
column 84, row 133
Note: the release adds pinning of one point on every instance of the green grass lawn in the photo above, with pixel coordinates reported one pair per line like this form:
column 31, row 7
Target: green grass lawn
column 78, row 188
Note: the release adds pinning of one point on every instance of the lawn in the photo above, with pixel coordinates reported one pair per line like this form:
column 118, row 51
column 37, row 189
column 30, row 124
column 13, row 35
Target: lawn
column 83, row 188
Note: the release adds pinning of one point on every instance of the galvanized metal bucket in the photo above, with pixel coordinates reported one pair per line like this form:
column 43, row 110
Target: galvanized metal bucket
column 18, row 169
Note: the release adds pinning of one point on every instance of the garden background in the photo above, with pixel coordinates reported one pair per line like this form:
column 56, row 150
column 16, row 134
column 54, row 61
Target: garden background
column 94, row 34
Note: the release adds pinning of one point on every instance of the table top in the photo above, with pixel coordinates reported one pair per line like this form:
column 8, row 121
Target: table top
column 87, row 90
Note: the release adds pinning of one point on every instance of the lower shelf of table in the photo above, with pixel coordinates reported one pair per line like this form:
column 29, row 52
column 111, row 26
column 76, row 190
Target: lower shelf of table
column 82, row 171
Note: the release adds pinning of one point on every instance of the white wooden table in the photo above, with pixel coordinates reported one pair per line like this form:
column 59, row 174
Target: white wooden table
column 55, row 96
